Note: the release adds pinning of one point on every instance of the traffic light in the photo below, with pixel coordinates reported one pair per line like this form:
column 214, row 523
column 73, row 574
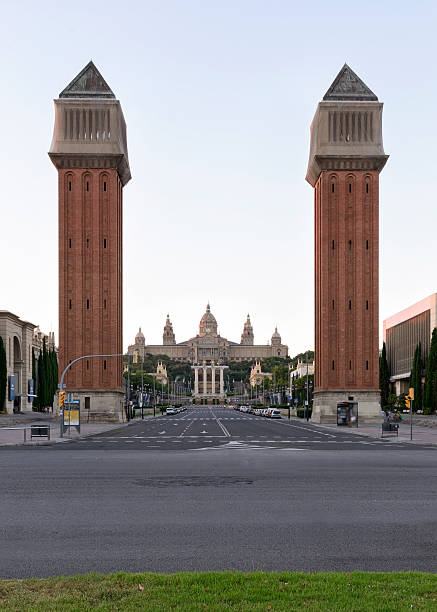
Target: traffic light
column 61, row 398
column 407, row 401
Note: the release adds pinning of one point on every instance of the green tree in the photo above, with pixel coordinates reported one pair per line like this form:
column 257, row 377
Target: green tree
column 44, row 376
column 416, row 377
column 39, row 384
column 281, row 376
column 56, row 372
column 3, row 375
column 384, row 377
column 34, row 376
column 52, row 377
column 430, row 391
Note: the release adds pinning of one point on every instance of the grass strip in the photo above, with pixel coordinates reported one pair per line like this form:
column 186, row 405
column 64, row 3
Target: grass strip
column 221, row 591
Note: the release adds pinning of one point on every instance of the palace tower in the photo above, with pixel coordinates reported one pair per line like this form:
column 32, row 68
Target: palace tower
column 247, row 335
column 89, row 149
column 346, row 157
column 168, row 337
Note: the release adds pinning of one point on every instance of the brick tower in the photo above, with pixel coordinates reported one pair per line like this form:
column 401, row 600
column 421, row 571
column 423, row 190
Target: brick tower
column 346, row 157
column 89, row 149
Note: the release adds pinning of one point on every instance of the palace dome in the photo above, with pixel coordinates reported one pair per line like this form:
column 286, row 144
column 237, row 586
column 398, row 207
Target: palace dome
column 276, row 337
column 208, row 323
column 139, row 337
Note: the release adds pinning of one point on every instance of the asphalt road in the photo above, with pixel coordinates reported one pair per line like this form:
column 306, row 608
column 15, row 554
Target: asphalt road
column 206, row 427
column 237, row 492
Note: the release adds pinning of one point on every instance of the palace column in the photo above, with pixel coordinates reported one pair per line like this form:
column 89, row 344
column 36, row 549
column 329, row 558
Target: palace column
column 213, row 380
column 205, row 388
column 196, row 380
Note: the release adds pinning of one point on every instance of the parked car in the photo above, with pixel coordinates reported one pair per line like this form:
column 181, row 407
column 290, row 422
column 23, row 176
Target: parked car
column 171, row 410
column 275, row 414
column 265, row 412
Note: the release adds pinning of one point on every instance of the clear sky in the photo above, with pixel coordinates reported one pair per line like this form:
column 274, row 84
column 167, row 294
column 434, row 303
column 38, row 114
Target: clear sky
column 218, row 96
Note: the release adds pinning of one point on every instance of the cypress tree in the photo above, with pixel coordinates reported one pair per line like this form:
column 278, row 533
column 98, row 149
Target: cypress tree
column 35, row 399
column 416, row 377
column 53, row 375
column 40, row 383
column 55, row 372
column 45, row 375
column 430, row 391
column 3, row 375
column 384, row 377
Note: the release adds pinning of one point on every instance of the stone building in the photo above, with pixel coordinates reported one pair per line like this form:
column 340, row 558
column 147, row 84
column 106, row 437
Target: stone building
column 38, row 341
column 257, row 375
column 19, row 338
column 346, row 157
column 402, row 332
column 301, row 369
column 161, row 373
column 138, row 349
column 209, row 346
column 89, row 150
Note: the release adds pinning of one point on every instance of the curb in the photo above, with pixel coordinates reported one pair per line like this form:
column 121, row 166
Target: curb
column 356, row 431
column 66, row 440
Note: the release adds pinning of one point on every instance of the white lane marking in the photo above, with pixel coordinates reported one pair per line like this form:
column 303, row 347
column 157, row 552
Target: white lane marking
column 187, row 427
column 280, row 422
column 220, row 424
column 241, row 446
column 161, row 433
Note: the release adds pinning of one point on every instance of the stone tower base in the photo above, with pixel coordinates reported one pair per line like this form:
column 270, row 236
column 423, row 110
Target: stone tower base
column 325, row 406
column 104, row 406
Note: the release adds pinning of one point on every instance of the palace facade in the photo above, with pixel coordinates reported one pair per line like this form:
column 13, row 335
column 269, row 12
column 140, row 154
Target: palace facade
column 208, row 346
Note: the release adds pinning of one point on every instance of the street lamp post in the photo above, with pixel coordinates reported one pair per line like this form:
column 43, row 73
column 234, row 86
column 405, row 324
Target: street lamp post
column 307, row 390
column 154, row 398
column 61, row 384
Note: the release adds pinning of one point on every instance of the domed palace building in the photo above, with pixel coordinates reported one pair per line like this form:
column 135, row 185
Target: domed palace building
column 208, row 346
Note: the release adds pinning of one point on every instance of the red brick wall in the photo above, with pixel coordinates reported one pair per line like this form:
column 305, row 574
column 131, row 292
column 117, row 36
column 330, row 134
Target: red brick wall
column 90, row 276
column 346, row 281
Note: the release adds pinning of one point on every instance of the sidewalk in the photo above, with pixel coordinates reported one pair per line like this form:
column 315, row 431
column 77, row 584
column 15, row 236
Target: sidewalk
column 421, row 434
column 15, row 437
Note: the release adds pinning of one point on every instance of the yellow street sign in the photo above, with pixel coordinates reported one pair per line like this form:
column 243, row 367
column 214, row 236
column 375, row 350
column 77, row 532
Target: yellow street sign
column 71, row 417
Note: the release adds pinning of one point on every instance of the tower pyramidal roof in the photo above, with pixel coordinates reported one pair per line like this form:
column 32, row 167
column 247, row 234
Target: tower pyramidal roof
column 89, row 83
column 348, row 86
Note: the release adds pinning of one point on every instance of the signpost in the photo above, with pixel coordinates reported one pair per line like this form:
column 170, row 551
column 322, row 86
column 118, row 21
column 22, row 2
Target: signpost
column 31, row 389
column 11, row 388
column 409, row 404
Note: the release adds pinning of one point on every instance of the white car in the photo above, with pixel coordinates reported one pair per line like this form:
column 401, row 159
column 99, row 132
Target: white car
column 275, row 414
column 171, row 410
column 265, row 412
